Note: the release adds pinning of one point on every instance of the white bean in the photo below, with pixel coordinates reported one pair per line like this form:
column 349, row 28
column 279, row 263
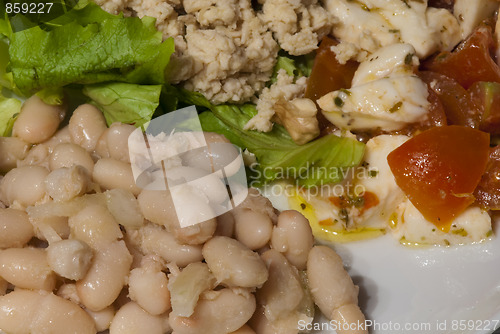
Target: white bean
column 24, row 185
column 148, row 287
column 293, row 237
column 60, row 137
column 196, row 234
column 86, row 125
column 251, row 228
column 282, row 293
column 234, row 264
column 102, row 318
column 68, row 291
column 12, row 149
column 347, row 315
column 95, row 226
column 132, row 319
column 256, row 202
column 4, row 285
column 111, row 173
column 38, row 155
column 219, row 154
column 27, row 268
column 157, row 207
column 15, row 228
column 244, row 330
column 221, row 311
column 124, row 207
column 156, row 240
column 24, row 311
column 69, row 258
column 50, row 228
column 68, row 154
column 260, row 324
column 331, row 286
column 106, row 276
column 37, row 121
column 187, row 286
column 113, row 143
column 65, row 183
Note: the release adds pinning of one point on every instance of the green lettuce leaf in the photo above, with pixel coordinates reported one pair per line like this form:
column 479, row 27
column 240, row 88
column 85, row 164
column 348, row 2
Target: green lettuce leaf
column 9, row 110
column 295, row 66
column 97, row 47
column 52, row 96
column 124, row 102
column 316, row 163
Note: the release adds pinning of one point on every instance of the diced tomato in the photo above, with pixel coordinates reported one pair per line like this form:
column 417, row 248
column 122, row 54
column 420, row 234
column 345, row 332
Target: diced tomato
column 327, row 73
column 439, row 169
column 486, row 96
column 471, row 61
column 488, row 191
column 326, row 76
column 436, row 115
column 456, row 101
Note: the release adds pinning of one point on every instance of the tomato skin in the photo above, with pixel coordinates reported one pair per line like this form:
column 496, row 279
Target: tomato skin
column 328, row 74
column 487, row 192
column 456, row 101
column 437, row 115
column 470, row 62
column 439, row 169
column 486, row 96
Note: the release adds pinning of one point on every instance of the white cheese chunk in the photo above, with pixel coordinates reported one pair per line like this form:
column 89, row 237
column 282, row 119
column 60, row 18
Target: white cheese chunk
column 371, row 24
column 357, row 24
column 380, row 181
column 471, row 13
column 388, row 103
column 472, row 225
column 391, row 60
column 442, row 21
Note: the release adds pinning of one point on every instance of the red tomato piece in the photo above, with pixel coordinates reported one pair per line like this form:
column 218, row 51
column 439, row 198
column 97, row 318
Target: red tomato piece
column 437, row 115
column 327, row 73
column 471, row 61
column 456, row 101
column 439, row 169
column 488, row 191
column 486, row 96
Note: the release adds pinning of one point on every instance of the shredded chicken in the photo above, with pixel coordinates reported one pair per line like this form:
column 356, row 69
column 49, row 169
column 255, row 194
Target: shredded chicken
column 297, row 25
column 299, row 118
column 283, row 89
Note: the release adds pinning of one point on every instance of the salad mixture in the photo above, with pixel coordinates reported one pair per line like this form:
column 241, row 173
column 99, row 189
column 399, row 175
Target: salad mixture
column 369, row 116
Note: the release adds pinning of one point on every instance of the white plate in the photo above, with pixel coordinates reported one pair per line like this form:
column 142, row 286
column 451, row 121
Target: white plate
column 424, row 290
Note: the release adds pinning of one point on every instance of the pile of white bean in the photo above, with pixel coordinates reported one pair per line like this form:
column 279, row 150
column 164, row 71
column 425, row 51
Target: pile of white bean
column 84, row 250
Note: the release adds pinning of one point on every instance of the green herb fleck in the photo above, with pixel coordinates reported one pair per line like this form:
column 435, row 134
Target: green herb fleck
column 409, row 59
column 338, row 102
column 396, row 107
column 346, row 91
column 344, row 215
